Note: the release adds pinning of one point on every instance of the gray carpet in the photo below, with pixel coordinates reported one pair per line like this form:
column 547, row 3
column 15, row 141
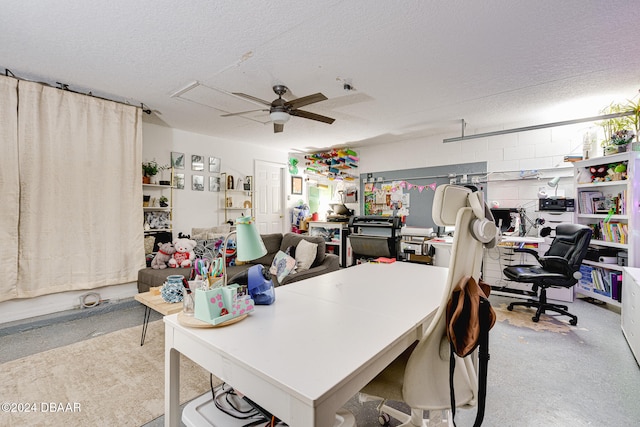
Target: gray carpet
column 545, row 374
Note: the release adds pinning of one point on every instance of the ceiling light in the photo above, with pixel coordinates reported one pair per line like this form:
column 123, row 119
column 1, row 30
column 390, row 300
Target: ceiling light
column 279, row 117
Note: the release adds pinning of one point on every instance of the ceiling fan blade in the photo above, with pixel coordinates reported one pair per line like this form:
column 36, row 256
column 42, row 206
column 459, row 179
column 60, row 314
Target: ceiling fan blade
column 277, row 128
column 241, row 113
column 312, row 116
column 306, row 100
column 253, row 98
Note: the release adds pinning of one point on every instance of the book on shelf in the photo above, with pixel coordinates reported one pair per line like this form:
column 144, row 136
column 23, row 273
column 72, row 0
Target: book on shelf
column 586, row 201
column 601, row 281
column 616, row 285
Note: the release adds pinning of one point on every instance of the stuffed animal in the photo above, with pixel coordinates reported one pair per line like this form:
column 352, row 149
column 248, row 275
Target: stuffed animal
column 184, row 254
column 165, row 250
column 583, row 176
column 598, row 172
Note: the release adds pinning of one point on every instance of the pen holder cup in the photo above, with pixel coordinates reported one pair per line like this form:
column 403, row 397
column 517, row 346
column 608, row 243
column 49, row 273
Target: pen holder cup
column 210, row 304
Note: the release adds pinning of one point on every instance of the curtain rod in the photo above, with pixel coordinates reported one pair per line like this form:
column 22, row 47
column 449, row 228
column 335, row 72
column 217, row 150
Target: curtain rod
column 536, row 127
column 65, row 87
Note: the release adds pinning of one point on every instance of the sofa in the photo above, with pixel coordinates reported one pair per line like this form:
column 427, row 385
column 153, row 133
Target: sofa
column 323, row 262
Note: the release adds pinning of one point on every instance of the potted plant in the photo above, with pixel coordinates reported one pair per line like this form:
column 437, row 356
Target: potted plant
column 616, row 130
column 163, row 201
column 151, row 169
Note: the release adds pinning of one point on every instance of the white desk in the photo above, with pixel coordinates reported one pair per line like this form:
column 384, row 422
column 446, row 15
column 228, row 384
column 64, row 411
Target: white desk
column 322, row 340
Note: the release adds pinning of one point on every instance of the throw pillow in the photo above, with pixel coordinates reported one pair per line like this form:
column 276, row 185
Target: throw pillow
column 282, row 266
column 305, row 254
column 149, row 241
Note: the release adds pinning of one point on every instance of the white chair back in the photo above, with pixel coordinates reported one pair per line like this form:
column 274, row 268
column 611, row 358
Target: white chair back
column 426, row 379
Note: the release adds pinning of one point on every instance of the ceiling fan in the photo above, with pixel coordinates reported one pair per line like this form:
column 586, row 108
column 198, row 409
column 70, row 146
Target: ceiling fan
column 280, row 111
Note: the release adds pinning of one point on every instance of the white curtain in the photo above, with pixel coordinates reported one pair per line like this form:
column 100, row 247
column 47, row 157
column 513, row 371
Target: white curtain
column 80, row 216
column 9, row 187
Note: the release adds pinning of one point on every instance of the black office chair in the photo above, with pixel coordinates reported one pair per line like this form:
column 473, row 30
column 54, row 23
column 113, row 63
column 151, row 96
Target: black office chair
column 559, row 268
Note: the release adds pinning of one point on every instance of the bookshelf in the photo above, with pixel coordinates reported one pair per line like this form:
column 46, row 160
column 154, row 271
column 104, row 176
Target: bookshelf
column 611, row 209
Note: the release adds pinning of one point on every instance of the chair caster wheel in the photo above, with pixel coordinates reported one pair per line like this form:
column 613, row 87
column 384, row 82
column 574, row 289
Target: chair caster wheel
column 573, row 322
column 535, row 319
column 384, row 419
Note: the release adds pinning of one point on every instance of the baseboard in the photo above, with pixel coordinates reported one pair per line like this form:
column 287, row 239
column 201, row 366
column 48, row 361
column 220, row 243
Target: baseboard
column 20, row 309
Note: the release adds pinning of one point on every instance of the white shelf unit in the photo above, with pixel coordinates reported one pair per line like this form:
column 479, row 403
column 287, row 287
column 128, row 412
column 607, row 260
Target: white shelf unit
column 628, row 216
column 156, row 191
column 237, row 202
column 335, row 237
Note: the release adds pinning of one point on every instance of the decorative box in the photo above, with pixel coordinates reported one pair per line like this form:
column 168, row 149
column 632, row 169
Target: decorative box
column 221, row 304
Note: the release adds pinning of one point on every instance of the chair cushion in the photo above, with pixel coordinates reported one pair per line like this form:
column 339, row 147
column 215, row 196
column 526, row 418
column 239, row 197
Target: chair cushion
column 536, row 275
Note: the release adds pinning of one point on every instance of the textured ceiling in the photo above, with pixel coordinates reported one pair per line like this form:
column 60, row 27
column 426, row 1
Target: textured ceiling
column 417, row 67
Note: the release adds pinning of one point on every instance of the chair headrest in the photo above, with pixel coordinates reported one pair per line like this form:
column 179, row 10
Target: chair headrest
column 447, row 201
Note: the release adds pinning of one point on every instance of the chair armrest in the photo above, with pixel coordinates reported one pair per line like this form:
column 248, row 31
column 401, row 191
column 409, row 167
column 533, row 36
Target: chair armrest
column 529, row 251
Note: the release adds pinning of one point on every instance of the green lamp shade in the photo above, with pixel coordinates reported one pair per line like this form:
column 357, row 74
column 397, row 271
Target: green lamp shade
column 249, row 245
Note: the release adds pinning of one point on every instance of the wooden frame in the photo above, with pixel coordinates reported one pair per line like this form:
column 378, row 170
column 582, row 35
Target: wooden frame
column 296, row 185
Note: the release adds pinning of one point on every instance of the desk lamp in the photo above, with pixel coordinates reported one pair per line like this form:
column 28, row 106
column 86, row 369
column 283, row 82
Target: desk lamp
column 249, row 244
column 554, row 184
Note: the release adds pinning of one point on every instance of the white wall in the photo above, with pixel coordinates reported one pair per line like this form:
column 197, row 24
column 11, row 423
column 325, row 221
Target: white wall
column 506, row 156
column 201, row 208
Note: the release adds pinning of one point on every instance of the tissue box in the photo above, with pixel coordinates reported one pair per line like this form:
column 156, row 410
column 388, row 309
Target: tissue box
column 209, row 304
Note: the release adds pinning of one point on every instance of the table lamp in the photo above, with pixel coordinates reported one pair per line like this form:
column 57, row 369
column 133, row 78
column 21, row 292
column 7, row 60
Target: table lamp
column 249, row 244
column 554, row 184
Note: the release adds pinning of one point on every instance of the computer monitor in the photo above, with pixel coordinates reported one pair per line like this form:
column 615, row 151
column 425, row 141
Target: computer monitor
column 505, row 218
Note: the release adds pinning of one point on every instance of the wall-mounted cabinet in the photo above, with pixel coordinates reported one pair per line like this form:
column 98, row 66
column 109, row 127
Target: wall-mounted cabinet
column 236, row 202
column 611, row 209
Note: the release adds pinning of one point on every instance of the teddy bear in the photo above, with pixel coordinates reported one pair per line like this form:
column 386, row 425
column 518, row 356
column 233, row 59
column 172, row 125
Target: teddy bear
column 165, row 250
column 184, row 254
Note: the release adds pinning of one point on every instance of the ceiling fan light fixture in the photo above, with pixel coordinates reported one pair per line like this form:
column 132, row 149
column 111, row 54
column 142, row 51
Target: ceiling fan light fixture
column 279, row 117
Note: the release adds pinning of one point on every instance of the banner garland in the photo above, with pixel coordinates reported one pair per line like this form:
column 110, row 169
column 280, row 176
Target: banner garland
column 407, row 185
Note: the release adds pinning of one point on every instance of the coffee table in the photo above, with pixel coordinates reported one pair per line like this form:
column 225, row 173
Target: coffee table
column 156, row 303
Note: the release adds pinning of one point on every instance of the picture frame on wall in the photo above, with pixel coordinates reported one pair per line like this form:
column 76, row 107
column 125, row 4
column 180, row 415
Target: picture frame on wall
column 177, row 160
column 178, row 181
column 197, row 162
column 197, row 183
column 214, row 164
column 214, row 183
column 296, row 185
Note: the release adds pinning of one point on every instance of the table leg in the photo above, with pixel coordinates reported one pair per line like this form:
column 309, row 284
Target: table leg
column 171, row 382
column 145, row 323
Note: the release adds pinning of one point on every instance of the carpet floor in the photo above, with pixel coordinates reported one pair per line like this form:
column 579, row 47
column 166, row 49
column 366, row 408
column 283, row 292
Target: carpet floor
column 109, row 380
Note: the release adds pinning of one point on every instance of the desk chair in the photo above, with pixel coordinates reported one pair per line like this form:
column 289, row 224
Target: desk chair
column 420, row 376
column 559, row 268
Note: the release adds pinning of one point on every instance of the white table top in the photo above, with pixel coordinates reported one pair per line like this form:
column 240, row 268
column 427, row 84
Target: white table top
column 323, row 331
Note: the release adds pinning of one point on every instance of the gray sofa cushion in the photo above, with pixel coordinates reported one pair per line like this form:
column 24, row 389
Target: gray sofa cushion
column 292, row 239
column 272, row 243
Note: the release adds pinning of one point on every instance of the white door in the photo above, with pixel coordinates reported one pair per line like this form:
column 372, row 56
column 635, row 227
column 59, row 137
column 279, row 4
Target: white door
column 269, row 197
